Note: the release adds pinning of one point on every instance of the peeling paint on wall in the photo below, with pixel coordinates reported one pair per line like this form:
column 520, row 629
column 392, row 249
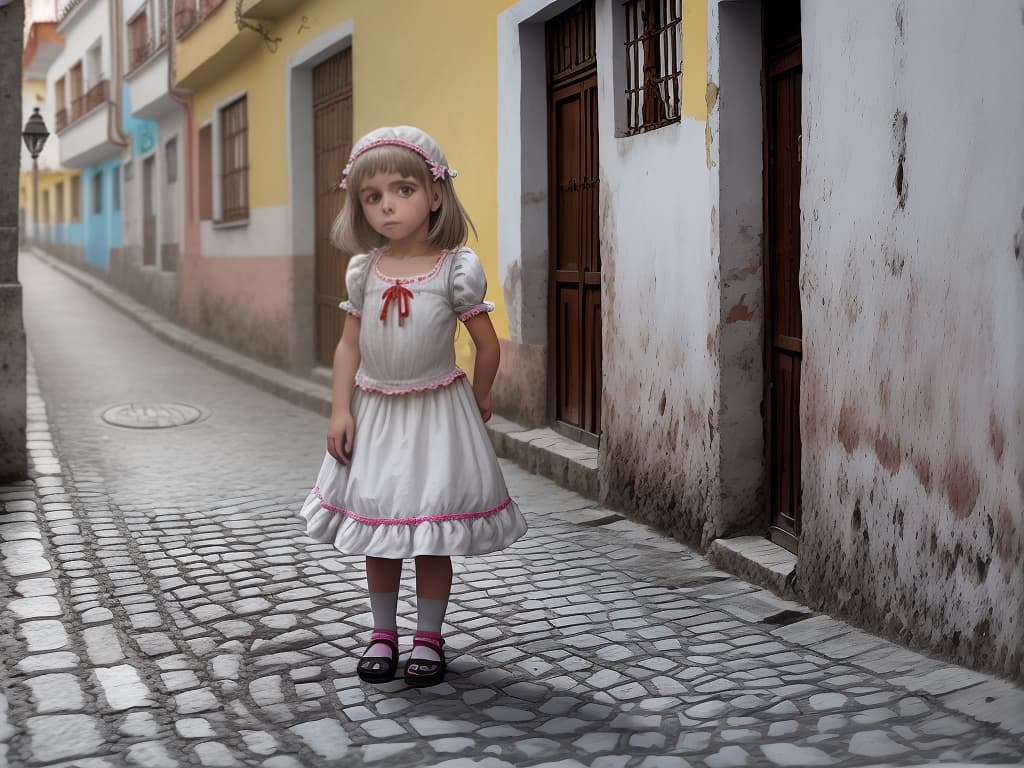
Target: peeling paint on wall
column 912, row 415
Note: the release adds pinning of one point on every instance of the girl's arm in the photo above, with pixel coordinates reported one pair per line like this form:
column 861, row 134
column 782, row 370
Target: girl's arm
column 341, row 429
column 488, row 355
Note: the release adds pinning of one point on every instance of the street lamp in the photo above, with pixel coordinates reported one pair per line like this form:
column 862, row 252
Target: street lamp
column 35, row 136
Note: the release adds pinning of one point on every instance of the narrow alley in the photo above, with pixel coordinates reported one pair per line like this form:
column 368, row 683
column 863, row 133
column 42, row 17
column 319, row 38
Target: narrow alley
column 160, row 606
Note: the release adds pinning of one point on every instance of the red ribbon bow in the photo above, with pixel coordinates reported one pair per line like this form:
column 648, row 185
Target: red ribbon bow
column 401, row 295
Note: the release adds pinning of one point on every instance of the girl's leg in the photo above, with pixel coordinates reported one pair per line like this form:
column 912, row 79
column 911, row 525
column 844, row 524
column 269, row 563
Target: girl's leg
column 382, row 579
column 433, row 586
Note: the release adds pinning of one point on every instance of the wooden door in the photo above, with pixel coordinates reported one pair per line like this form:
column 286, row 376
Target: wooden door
column 783, row 334
column 332, row 143
column 575, row 274
column 148, row 212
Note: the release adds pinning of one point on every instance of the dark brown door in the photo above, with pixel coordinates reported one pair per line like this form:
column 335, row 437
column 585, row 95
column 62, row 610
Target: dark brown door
column 783, row 337
column 332, row 126
column 575, row 278
column 148, row 212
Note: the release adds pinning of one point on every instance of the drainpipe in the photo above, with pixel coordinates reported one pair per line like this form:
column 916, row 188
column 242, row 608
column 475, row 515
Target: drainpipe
column 115, row 135
column 190, row 214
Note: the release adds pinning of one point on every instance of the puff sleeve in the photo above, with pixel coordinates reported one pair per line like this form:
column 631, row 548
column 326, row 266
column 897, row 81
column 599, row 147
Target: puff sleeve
column 355, row 281
column 468, row 286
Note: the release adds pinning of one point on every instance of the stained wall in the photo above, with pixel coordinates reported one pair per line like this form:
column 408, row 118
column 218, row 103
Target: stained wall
column 912, row 289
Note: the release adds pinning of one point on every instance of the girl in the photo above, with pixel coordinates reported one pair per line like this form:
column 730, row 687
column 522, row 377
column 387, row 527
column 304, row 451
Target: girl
column 409, row 471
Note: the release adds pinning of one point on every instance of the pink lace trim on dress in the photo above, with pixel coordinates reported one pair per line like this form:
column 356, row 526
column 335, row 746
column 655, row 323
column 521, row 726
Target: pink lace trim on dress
column 407, row 280
column 447, row 379
column 347, row 306
column 409, row 520
column 479, row 309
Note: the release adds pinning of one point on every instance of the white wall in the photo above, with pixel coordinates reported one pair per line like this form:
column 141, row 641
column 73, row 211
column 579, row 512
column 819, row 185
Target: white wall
column 660, row 301
column 913, row 300
column 81, row 30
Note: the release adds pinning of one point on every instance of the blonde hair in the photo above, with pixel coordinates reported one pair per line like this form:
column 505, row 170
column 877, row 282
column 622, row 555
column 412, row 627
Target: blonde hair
column 352, row 233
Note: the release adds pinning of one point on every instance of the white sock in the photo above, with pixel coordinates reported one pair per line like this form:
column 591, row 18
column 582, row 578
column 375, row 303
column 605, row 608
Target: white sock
column 430, row 617
column 384, row 606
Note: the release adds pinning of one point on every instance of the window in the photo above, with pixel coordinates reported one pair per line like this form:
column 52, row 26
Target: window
column 60, row 202
column 96, row 192
column 171, row 160
column 46, row 206
column 234, row 128
column 58, row 98
column 653, row 52
column 115, row 181
column 128, row 171
column 206, row 173
column 138, row 40
column 76, row 198
column 77, row 94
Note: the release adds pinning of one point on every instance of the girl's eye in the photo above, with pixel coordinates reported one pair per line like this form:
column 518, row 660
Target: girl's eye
column 406, row 191
column 373, row 197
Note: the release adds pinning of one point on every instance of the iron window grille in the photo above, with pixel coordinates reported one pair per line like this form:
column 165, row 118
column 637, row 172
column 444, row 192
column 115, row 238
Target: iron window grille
column 653, row 52
column 235, row 161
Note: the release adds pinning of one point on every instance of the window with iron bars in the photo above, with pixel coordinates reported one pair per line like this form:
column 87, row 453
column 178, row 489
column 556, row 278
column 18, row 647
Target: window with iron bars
column 235, row 161
column 653, row 53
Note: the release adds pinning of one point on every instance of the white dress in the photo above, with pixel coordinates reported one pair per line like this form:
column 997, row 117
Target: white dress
column 423, row 479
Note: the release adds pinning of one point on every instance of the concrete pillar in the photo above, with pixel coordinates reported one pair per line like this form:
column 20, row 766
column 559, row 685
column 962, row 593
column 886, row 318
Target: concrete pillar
column 13, row 456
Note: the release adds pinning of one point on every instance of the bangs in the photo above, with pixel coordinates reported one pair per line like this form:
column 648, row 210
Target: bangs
column 389, row 159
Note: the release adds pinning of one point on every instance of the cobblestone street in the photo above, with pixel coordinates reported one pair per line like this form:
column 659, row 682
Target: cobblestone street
column 161, row 607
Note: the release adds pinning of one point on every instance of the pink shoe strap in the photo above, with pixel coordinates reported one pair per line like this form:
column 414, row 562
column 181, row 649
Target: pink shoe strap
column 384, row 634
column 428, row 640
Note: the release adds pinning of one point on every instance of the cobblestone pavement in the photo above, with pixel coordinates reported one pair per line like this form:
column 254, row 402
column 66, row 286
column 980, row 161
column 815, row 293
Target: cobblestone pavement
column 161, row 607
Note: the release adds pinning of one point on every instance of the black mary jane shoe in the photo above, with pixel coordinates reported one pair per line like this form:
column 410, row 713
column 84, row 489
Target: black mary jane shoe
column 422, row 673
column 378, row 669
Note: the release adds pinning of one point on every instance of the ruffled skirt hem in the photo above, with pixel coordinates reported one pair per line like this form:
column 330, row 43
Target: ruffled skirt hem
column 473, row 533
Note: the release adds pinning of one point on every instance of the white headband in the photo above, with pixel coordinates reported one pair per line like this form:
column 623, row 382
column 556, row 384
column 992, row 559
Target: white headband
column 405, row 136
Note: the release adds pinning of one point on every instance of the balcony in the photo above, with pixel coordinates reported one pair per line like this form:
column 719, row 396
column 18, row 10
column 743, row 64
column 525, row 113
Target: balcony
column 67, row 11
column 68, row 8
column 62, row 120
column 211, row 42
column 98, row 94
column 85, row 140
column 267, row 10
column 148, row 87
column 186, row 19
column 190, row 13
column 141, row 54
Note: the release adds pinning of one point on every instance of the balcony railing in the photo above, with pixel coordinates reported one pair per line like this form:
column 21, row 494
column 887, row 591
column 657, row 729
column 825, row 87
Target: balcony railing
column 98, row 94
column 81, row 105
column 67, row 8
column 143, row 53
column 206, row 7
column 185, row 20
column 190, row 13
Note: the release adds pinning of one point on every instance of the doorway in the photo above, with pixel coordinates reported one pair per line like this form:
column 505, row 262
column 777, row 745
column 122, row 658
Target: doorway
column 574, row 306
column 783, row 324
column 332, row 143
column 148, row 212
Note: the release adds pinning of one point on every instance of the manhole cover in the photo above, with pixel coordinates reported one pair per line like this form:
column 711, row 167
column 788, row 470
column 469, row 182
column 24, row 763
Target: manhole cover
column 151, row 415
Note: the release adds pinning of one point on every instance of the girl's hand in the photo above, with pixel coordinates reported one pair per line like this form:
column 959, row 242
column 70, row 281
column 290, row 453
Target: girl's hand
column 341, row 432
column 484, row 404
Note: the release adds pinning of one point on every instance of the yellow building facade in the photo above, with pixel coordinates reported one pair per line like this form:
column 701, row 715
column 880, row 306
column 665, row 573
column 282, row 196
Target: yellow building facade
column 252, row 277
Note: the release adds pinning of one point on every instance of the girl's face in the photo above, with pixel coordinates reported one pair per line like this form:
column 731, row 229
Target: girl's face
column 398, row 207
